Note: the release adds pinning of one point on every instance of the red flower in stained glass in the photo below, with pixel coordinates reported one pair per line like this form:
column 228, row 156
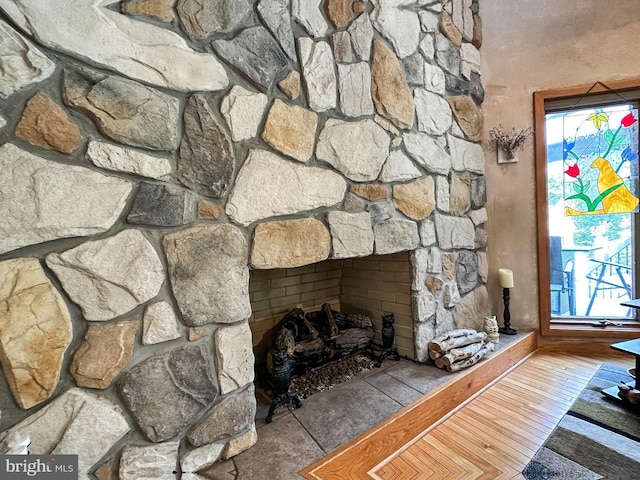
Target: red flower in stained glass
column 573, row 171
column 628, row 120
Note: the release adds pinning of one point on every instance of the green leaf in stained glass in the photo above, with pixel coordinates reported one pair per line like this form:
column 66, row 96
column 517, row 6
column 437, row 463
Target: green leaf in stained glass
column 586, row 186
column 608, row 136
column 619, row 140
column 576, row 187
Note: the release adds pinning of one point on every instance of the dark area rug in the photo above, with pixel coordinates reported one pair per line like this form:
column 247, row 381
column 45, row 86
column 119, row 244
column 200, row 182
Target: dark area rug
column 597, row 438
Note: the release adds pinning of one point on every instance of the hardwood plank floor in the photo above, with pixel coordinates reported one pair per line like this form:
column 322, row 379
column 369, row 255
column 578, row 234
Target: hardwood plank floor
column 495, row 434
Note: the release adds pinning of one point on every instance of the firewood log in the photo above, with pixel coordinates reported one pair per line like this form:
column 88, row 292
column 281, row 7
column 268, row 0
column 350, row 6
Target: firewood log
column 434, row 355
column 487, row 348
column 457, row 354
column 443, row 345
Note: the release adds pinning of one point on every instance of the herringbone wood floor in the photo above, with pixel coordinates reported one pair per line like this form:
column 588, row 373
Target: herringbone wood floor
column 495, row 434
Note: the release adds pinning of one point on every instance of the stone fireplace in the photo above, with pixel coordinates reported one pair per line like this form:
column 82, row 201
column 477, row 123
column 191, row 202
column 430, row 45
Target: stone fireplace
column 157, row 155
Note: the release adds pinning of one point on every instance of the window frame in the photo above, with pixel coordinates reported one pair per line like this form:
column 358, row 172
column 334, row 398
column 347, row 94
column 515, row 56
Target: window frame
column 568, row 327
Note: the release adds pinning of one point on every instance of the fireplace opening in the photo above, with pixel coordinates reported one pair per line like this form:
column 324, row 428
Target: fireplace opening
column 372, row 287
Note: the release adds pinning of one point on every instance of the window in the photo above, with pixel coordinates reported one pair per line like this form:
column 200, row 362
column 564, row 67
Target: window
column 587, row 203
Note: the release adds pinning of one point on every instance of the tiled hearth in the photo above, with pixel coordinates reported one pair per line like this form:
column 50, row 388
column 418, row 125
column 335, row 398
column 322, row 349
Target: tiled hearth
column 154, row 153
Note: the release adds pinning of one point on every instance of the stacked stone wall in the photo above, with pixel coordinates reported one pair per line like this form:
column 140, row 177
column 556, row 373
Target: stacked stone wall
column 153, row 152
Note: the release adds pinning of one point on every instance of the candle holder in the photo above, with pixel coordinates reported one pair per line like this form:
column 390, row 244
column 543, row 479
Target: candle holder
column 507, row 330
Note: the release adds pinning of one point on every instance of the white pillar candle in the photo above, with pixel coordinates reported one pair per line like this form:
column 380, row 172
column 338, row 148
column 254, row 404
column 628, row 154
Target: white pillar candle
column 505, row 278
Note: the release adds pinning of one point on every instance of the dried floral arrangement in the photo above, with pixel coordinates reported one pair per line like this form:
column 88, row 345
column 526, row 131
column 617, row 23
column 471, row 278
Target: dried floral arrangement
column 511, row 141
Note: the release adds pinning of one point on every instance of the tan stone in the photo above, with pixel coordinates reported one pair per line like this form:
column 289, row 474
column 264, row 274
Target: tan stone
column 160, row 9
column 240, row 444
column 290, row 85
column 370, row 191
column 389, row 89
column 46, row 125
column 209, row 210
column 416, row 199
column 340, row 12
column 434, row 284
column 460, row 194
column 449, row 29
column 290, row 243
column 449, row 265
column 196, row 334
column 477, row 31
column 35, row 331
column 105, row 472
column 468, row 115
column 291, row 130
column 106, row 350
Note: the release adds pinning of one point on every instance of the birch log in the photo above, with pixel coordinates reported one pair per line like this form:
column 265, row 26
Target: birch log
column 457, row 354
column 444, row 345
column 488, row 348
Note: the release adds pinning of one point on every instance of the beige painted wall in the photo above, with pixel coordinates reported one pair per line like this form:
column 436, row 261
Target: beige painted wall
column 529, row 46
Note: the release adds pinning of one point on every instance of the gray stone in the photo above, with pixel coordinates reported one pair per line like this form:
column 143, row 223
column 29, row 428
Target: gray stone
column 470, row 60
column 381, row 212
column 159, row 324
column 466, row 155
column 435, row 260
column 342, row 49
column 433, row 112
column 243, row 110
column 232, row 415
column 206, row 161
column 153, row 461
column 234, row 356
column 255, row 53
column 35, row 331
column 202, row 18
column 290, row 243
column 140, row 50
column 429, row 152
column 483, row 266
column 3, row 122
column 442, row 194
column 482, row 238
column 475, row 88
column 21, row 63
column 357, row 149
column 467, row 271
column 467, row 19
column 200, row 458
column 434, row 79
column 427, row 233
column 472, row 308
column 447, row 55
column 268, row 185
column 209, row 273
column 124, row 110
column 401, row 27
column 478, row 192
column 114, row 157
column 355, row 89
column 162, row 206
column 423, row 305
column 414, row 69
column 361, row 31
column 43, row 200
column 398, row 168
column 455, row 232
column 418, row 261
column 110, row 277
column 164, row 393
column 423, row 333
column 479, row 216
column 275, row 15
column 429, row 21
column 308, row 14
column 318, row 71
column 395, row 235
column 351, row 234
column 75, row 423
column 427, row 48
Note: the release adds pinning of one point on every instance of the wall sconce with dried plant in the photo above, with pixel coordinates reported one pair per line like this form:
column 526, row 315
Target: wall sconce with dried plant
column 508, row 142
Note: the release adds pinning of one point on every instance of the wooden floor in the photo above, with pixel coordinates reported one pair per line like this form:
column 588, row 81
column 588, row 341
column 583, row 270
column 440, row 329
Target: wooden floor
column 492, row 436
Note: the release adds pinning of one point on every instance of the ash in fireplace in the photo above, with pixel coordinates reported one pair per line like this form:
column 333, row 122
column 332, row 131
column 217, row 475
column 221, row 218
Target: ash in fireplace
column 330, row 375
